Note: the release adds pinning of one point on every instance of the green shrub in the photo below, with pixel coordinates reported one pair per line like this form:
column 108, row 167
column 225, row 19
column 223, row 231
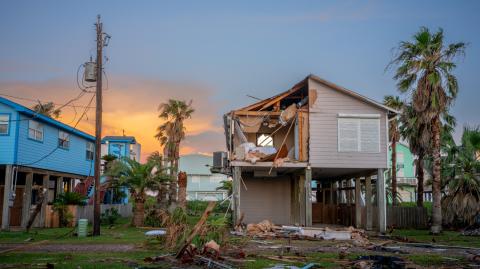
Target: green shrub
column 110, row 217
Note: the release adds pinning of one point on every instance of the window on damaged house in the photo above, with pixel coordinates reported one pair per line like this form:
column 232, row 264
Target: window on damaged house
column 264, row 140
column 35, row 130
column 90, row 151
column 63, row 140
column 359, row 133
column 4, row 124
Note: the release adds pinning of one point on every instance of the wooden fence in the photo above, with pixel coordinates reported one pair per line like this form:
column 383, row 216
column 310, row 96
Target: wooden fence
column 400, row 217
column 86, row 212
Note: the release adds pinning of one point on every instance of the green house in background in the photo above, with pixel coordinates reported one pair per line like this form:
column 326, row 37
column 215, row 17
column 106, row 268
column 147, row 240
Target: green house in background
column 202, row 184
column 406, row 180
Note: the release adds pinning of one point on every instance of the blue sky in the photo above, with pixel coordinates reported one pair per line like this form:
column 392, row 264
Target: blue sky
column 217, row 52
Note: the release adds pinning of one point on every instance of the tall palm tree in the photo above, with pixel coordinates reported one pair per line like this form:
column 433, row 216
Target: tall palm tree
column 48, row 109
column 394, row 134
column 170, row 134
column 137, row 178
column 424, row 70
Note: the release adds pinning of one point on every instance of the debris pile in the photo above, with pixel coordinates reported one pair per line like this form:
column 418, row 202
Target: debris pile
column 473, row 230
column 266, row 228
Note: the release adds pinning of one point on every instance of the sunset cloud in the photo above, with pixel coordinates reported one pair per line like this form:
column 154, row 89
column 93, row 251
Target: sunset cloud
column 130, row 105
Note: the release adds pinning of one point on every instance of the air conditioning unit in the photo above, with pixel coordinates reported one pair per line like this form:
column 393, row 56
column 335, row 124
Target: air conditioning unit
column 220, row 160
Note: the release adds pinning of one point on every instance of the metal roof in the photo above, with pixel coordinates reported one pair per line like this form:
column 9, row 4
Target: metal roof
column 37, row 116
column 195, row 164
column 120, row 138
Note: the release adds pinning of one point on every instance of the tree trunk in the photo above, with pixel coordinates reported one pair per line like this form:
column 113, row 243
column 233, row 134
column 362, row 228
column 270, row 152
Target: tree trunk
column 138, row 210
column 420, row 179
column 162, row 200
column 436, row 192
column 173, row 182
column 394, row 171
column 182, row 190
column 38, row 206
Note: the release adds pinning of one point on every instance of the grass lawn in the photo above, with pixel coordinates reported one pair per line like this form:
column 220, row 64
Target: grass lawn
column 121, row 233
column 451, row 238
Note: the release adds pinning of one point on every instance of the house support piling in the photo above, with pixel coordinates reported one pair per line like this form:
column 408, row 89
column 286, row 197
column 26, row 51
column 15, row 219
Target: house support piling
column 27, row 199
column 6, row 197
column 368, row 203
column 308, row 196
column 358, row 206
column 237, row 177
column 381, row 202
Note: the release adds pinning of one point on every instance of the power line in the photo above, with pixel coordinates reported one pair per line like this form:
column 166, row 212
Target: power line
column 73, row 128
column 36, row 100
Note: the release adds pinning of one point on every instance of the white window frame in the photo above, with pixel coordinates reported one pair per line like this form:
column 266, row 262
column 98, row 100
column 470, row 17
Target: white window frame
column 38, row 133
column 5, row 122
column 63, row 140
column 359, row 117
column 90, row 150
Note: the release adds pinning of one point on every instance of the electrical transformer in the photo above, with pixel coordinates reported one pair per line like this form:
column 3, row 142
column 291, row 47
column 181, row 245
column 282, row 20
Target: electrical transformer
column 90, row 72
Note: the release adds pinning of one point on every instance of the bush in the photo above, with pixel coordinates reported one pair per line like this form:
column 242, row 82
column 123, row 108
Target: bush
column 110, row 217
column 62, row 201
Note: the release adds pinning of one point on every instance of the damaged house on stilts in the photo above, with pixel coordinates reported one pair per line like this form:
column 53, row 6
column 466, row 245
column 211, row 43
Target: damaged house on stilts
column 315, row 131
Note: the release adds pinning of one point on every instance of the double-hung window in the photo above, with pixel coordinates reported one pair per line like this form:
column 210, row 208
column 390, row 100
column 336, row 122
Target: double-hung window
column 4, row 124
column 359, row 133
column 90, row 151
column 35, row 130
column 63, row 140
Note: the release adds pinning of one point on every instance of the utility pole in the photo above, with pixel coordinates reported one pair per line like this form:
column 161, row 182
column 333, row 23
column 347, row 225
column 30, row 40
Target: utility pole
column 98, row 129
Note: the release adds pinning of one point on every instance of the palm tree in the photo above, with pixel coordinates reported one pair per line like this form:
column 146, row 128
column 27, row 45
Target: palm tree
column 461, row 203
column 394, row 134
column 418, row 136
column 424, row 69
column 170, row 134
column 137, row 178
column 47, row 109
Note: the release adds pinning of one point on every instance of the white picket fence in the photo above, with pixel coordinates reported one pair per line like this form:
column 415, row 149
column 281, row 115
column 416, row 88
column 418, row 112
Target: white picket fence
column 86, row 212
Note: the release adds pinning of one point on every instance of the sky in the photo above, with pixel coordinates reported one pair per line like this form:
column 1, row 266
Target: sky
column 215, row 53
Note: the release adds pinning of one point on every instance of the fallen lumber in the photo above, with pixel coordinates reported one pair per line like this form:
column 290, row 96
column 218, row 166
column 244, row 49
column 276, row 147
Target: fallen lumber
column 196, row 229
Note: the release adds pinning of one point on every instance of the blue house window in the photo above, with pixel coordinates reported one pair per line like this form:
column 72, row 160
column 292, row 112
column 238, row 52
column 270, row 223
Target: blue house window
column 35, row 130
column 4, row 124
column 63, row 140
column 90, row 151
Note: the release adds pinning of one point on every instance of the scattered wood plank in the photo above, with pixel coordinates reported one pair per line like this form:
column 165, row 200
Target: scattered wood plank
column 196, row 229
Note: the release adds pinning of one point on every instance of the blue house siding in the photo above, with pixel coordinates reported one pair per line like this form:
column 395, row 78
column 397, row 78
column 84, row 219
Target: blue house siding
column 72, row 160
column 7, row 142
column 119, row 149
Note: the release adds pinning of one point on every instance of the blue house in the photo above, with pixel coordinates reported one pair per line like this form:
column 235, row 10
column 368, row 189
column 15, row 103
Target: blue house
column 37, row 150
column 121, row 146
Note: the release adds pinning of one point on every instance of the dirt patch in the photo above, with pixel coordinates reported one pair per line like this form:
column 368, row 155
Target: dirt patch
column 72, row 247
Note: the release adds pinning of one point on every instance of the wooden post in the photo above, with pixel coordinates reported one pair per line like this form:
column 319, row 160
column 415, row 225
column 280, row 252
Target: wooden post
column 358, row 206
column 59, row 186
column 27, row 199
column 6, row 197
column 349, row 193
column 331, row 192
column 43, row 212
column 237, row 177
column 368, row 203
column 381, row 202
column 308, row 196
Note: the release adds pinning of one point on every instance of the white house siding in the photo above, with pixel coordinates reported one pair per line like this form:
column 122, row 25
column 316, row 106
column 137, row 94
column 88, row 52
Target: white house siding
column 266, row 199
column 323, row 121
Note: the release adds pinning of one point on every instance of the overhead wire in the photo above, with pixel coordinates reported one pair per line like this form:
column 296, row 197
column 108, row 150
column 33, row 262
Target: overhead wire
column 73, row 128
